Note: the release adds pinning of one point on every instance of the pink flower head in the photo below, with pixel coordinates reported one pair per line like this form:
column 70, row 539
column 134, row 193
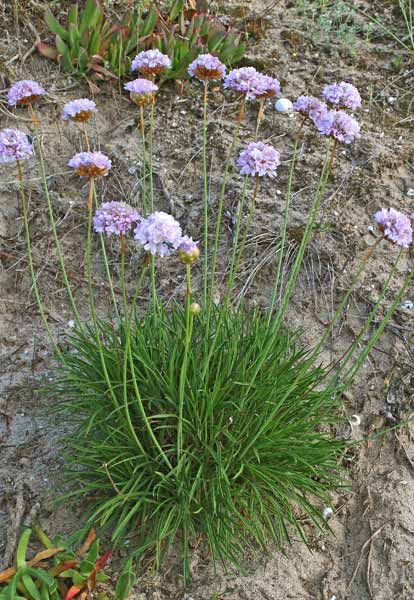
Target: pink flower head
column 188, row 250
column 90, row 164
column 310, row 107
column 142, row 91
column 207, row 67
column 259, row 159
column 268, row 87
column 24, row 92
column 245, row 80
column 342, row 95
column 339, row 125
column 14, row 146
column 115, row 218
column 150, row 62
column 79, row 110
column 160, row 234
column 395, row 226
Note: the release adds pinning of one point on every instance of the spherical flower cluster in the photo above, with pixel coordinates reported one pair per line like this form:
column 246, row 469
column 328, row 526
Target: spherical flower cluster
column 14, row 146
column 259, row 159
column 160, row 234
column 395, row 226
column 90, row 164
column 79, row 110
column 115, row 218
column 188, row 251
column 343, row 95
column 151, row 62
column 338, row 125
column 24, row 92
column 268, row 87
column 207, row 67
column 142, row 91
column 245, row 80
column 311, row 107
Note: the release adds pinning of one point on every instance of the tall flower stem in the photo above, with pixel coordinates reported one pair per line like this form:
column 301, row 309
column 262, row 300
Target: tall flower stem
column 30, row 260
column 85, row 135
column 144, row 160
column 151, row 157
column 52, row 217
column 331, row 160
column 259, row 116
column 124, row 297
column 184, row 366
column 205, row 193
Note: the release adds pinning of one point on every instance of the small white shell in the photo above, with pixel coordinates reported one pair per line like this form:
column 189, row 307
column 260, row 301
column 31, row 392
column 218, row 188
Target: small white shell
column 284, row 105
column 355, row 420
column 327, row 512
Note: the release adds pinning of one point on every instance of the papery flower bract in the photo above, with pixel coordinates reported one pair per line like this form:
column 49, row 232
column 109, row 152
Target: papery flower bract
column 207, row 67
column 14, row 145
column 267, row 87
column 395, row 226
column 160, row 234
column 245, row 80
column 115, row 218
column 142, row 91
column 188, row 250
column 79, row 110
column 343, row 95
column 259, row 159
column 151, row 62
column 339, row 125
column 310, row 107
column 90, row 164
column 24, row 92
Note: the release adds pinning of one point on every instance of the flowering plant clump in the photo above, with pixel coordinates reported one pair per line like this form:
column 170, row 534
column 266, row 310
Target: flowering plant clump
column 160, row 234
column 259, row 159
column 207, row 67
column 395, row 226
column 338, row 125
column 90, row 164
column 115, row 218
column 14, row 146
column 245, row 80
column 24, row 92
column 342, row 95
column 151, row 62
column 142, row 91
column 79, row 110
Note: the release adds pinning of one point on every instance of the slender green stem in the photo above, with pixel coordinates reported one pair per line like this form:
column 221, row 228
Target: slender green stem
column 30, row 261
column 205, row 193
column 184, row 366
column 123, row 288
column 144, row 160
column 232, row 271
column 259, row 116
column 52, row 217
column 151, row 140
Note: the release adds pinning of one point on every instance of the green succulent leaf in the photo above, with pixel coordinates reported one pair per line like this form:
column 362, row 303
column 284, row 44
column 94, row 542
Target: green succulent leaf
column 73, row 15
column 149, row 23
column 54, row 25
column 90, row 16
column 125, row 581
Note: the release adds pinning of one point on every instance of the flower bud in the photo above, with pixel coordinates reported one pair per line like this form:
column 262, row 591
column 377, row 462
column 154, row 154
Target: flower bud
column 188, row 251
column 195, row 309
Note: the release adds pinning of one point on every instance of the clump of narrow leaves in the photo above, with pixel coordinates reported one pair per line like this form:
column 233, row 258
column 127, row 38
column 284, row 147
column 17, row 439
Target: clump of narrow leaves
column 258, row 452
column 90, row 43
column 55, row 572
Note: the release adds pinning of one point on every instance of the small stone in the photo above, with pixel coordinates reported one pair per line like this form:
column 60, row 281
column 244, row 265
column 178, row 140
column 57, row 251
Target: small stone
column 284, row 105
column 327, row 512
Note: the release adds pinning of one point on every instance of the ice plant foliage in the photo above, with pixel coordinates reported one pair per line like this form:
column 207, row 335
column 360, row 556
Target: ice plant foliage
column 90, row 164
column 24, row 92
column 79, row 110
column 151, row 62
column 259, row 159
column 142, row 91
column 395, row 226
column 342, row 95
column 207, row 67
column 160, row 234
column 14, row 145
column 338, row 125
column 115, row 218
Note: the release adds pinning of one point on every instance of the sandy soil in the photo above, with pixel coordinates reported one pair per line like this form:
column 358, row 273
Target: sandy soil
column 369, row 555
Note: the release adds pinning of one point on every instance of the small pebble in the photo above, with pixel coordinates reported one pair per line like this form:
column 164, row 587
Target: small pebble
column 284, row 105
column 327, row 512
column 407, row 304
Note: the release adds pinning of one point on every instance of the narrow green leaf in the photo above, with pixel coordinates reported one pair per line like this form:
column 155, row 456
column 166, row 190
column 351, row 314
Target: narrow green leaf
column 90, row 16
column 54, row 25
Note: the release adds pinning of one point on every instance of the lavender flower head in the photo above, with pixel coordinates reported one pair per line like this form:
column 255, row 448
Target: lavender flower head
column 115, row 218
column 14, row 146
column 259, row 159
column 79, row 110
column 160, row 234
column 245, row 80
column 342, row 95
column 188, row 250
column 90, row 164
column 151, row 62
column 207, row 67
column 339, row 125
column 142, row 91
column 268, row 87
column 395, row 226
column 310, row 107
column 24, row 92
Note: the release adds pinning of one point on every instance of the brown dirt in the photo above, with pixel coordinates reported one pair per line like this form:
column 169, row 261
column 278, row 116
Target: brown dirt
column 369, row 555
